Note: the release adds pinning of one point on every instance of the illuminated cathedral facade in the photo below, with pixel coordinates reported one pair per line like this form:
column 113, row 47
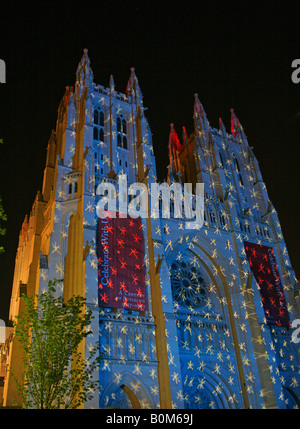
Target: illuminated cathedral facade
column 186, row 318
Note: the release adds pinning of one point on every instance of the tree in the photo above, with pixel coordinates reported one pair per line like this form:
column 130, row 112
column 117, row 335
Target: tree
column 49, row 331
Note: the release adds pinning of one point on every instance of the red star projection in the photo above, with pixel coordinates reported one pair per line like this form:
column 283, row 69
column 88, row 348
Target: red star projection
column 121, row 270
column 265, row 270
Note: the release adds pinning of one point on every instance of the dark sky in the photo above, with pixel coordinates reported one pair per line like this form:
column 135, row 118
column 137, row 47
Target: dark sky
column 233, row 54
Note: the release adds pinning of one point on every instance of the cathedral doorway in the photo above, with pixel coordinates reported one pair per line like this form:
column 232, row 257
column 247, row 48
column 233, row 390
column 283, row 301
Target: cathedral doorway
column 131, row 396
column 122, row 398
column 130, row 393
column 207, row 356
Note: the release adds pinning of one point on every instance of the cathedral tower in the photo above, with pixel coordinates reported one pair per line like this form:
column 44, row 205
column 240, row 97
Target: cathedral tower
column 187, row 318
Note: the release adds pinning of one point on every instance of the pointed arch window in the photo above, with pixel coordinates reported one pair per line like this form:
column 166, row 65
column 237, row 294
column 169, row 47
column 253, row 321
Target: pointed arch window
column 221, row 158
column 119, row 140
column 122, row 132
column 222, row 219
column 238, row 170
column 119, row 124
column 99, row 161
column 244, row 226
column 98, row 133
column 98, row 117
column 258, row 230
column 212, row 217
column 266, row 232
column 124, row 126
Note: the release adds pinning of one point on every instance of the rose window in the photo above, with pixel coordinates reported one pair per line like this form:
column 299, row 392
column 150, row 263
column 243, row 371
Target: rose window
column 188, row 286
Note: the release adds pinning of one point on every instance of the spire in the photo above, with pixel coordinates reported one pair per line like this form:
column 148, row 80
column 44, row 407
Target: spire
column 200, row 117
column 133, row 87
column 185, row 136
column 222, row 127
column 174, row 142
column 236, row 127
column 111, row 84
column 84, row 73
column 68, row 93
column 174, row 146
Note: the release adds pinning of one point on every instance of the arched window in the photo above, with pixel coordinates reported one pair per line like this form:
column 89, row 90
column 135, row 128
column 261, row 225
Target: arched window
column 119, row 140
column 212, row 217
column 258, row 230
column 244, row 226
column 221, row 158
column 101, row 122
column 98, row 125
column 238, row 170
column 266, row 232
column 124, row 126
column 101, row 134
column 96, row 117
column 222, row 219
column 236, row 164
column 99, row 161
column 119, row 129
column 122, row 132
column 96, row 133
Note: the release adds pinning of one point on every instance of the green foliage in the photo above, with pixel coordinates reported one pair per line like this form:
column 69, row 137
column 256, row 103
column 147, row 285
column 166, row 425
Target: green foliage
column 3, row 217
column 50, row 333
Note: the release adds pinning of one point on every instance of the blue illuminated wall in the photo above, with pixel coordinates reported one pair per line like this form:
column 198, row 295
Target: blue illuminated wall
column 222, row 353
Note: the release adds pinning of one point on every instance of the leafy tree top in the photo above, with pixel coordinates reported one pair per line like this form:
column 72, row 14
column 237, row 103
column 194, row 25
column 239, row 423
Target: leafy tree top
column 56, row 375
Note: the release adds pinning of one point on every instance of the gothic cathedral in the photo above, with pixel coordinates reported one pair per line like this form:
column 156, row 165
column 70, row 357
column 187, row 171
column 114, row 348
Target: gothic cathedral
column 186, row 318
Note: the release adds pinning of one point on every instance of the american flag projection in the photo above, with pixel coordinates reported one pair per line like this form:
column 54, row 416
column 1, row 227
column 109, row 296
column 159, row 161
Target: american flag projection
column 121, row 270
column 263, row 265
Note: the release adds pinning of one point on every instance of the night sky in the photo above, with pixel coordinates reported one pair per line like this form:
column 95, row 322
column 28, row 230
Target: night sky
column 234, row 55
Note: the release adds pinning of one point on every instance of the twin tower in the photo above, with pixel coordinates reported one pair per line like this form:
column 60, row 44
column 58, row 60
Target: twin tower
column 190, row 319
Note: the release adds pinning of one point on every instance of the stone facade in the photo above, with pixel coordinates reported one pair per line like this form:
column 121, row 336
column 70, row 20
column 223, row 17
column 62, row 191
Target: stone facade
column 204, row 340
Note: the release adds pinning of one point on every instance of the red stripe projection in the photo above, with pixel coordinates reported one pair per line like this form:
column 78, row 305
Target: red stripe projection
column 121, row 269
column 263, row 265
